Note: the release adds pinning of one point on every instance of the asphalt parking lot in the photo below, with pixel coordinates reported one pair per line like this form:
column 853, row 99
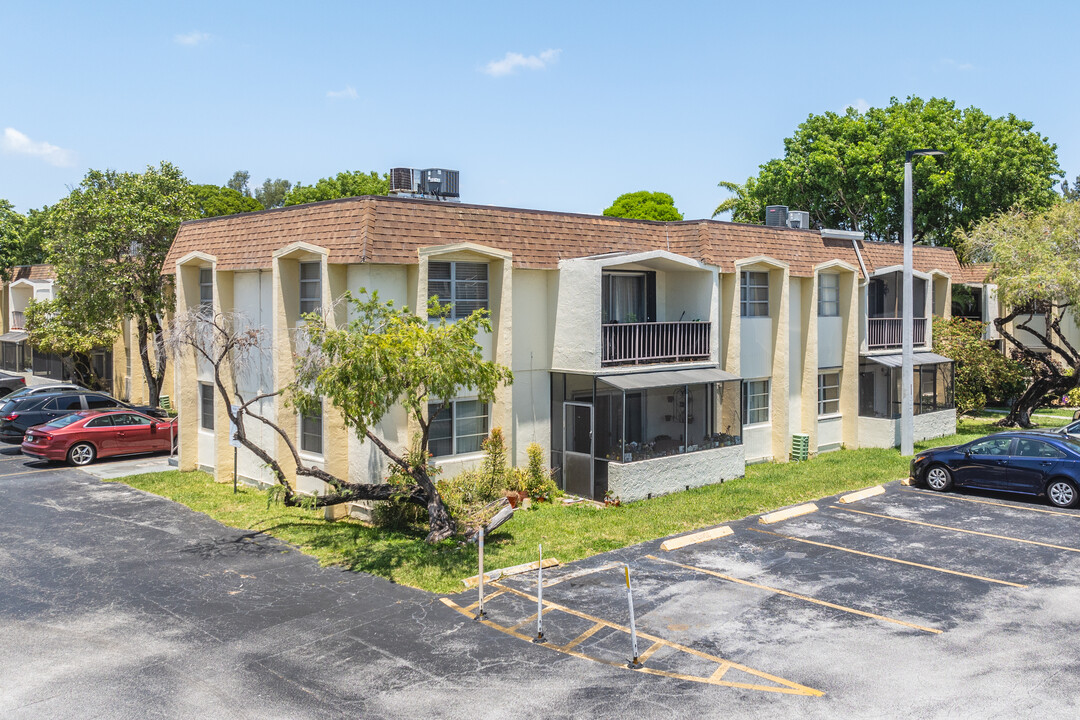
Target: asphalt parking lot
column 114, row 603
column 909, row 602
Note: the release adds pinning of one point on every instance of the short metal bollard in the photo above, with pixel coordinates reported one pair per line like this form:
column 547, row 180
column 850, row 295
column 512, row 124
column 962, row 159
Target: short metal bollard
column 634, row 664
column 480, row 604
column 539, row 639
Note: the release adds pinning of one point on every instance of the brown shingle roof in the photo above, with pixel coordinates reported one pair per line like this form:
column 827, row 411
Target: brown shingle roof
column 37, row 273
column 390, row 230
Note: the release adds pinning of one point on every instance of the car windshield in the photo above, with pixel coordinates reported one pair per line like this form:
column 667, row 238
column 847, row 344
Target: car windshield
column 64, row 421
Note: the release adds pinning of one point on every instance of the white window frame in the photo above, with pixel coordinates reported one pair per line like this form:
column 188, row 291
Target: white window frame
column 457, row 439
column 206, row 389
column 747, row 394
column 206, row 291
column 750, row 306
column 303, row 420
column 825, row 404
column 829, row 302
column 309, row 286
column 455, row 283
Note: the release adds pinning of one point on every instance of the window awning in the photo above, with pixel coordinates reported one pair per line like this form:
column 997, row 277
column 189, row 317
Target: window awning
column 15, row 336
column 667, row 378
column 922, row 358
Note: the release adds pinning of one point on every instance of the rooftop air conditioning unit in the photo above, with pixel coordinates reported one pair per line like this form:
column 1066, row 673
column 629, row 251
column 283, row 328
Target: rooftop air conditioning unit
column 404, row 180
column 798, row 219
column 776, row 216
column 439, row 182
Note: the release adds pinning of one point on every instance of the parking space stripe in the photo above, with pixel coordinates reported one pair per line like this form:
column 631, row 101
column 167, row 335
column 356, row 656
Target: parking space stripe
column 960, row 530
column 650, row 650
column 990, row 502
column 797, row 596
column 782, row 686
column 584, row 636
column 890, row 559
column 476, row 604
column 29, row 472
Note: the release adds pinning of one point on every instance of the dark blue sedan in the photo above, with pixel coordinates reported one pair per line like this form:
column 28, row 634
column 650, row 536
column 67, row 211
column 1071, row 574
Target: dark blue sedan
column 1032, row 463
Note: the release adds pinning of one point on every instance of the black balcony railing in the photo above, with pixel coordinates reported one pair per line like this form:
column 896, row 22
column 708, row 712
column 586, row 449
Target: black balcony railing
column 655, row 342
column 888, row 332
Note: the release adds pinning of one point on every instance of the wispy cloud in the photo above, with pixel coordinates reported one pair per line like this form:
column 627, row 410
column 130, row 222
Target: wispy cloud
column 16, row 143
column 861, row 105
column 957, row 65
column 192, row 38
column 514, row 61
column 349, row 93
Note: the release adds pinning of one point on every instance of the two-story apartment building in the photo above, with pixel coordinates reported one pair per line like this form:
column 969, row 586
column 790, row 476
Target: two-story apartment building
column 648, row 356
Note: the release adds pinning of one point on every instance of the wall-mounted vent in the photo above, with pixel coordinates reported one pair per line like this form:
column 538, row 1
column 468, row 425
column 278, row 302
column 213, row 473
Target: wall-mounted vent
column 776, row 216
column 404, row 180
column 798, row 219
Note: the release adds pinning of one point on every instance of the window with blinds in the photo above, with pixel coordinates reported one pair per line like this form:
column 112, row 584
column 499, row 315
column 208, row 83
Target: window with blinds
column 461, row 285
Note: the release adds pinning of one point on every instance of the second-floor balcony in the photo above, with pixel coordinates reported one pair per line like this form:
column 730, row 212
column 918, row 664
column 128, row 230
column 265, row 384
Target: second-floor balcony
column 654, row 342
column 18, row 321
column 882, row 333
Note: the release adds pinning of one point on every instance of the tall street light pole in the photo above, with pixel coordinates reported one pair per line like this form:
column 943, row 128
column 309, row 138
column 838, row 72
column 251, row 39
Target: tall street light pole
column 907, row 377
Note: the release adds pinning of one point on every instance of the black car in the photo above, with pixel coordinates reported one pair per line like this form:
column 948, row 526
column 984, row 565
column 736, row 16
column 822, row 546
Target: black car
column 1029, row 462
column 24, row 412
column 11, row 383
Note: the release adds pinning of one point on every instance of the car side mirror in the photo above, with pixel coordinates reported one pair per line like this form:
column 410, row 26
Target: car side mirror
column 153, row 427
column 967, row 453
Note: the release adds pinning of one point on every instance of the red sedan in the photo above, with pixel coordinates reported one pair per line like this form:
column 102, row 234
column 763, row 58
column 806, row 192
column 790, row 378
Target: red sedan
column 82, row 437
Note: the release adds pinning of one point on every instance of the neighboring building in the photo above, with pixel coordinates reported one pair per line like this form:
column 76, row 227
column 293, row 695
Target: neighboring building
column 35, row 282
column 648, row 356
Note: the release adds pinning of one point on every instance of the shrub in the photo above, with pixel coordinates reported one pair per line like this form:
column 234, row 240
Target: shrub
column 537, row 480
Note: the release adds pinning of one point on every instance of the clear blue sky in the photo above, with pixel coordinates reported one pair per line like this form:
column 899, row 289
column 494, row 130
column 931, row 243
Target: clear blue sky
column 601, row 99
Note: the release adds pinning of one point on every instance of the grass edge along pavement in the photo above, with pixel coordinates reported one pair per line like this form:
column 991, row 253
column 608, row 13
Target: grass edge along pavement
column 568, row 532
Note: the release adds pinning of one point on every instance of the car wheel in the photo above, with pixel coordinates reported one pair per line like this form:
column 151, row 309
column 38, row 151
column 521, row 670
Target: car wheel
column 81, row 454
column 939, row 478
column 1062, row 493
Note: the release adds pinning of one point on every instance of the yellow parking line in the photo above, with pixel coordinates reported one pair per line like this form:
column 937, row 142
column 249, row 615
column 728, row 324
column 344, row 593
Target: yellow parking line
column 492, row 596
column 990, row 502
column 797, row 596
column 668, row 643
column 584, row 636
column 529, row 620
column 960, row 530
column 782, row 686
column 29, row 472
column 649, row 652
column 890, row 559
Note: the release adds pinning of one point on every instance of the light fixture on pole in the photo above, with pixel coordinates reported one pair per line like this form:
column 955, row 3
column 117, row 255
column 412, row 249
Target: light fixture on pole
column 907, row 377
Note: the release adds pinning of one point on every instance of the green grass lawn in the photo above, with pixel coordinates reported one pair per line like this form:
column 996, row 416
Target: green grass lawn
column 568, row 532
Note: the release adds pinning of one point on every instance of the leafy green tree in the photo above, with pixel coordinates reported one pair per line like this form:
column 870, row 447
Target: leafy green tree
column 1035, row 257
column 847, row 170
column 389, row 357
column 11, row 236
column 272, row 192
column 982, row 373
column 343, row 185
column 214, row 201
column 239, row 182
column 107, row 241
column 1071, row 193
column 644, row 205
